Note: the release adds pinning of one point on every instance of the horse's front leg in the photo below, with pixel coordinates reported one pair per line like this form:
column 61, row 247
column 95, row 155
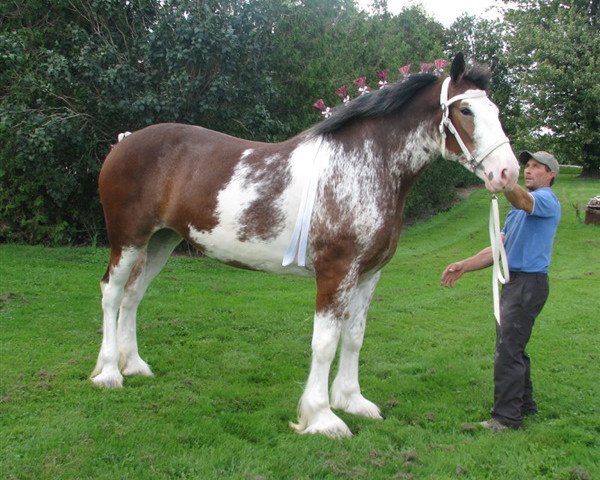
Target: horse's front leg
column 345, row 391
column 336, row 284
column 315, row 415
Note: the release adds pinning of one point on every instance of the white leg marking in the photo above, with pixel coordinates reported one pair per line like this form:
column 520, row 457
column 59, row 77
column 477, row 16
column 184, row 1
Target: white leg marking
column 345, row 391
column 130, row 362
column 159, row 250
column 106, row 374
column 315, row 415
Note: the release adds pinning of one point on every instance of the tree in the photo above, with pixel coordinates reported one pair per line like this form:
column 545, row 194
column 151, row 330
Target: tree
column 73, row 74
column 484, row 41
column 320, row 45
column 554, row 52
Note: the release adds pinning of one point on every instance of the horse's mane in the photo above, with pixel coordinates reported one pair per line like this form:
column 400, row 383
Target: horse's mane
column 391, row 99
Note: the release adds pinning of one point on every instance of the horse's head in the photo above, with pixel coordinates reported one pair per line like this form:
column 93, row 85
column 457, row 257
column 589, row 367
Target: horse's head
column 470, row 128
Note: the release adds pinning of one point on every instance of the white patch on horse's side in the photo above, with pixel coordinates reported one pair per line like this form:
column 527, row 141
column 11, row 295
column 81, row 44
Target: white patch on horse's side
column 223, row 243
column 356, row 190
column 246, row 153
column 417, row 151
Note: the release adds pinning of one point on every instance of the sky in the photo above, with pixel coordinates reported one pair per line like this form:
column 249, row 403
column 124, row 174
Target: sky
column 445, row 11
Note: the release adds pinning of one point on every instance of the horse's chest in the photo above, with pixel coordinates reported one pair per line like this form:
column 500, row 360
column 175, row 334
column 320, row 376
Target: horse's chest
column 354, row 201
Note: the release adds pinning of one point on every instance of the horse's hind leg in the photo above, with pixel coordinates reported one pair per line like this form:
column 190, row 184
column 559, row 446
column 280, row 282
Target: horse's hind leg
column 159, row 249
column 122, row 261
column 345, row 390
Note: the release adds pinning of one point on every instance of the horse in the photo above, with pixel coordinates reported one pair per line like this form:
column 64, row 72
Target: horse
column 240, row 202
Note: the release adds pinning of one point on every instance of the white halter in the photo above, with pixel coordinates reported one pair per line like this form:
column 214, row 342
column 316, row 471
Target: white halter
column 474, row 161
column 500, row 267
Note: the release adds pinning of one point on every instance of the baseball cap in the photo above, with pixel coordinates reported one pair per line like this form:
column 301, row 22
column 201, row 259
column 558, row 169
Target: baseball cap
column 542, row 157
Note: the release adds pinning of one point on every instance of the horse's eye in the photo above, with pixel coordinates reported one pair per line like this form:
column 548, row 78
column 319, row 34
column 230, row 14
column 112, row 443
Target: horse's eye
column 466, row 111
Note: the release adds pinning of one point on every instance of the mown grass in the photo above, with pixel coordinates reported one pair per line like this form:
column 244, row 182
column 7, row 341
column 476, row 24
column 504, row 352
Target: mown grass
column 230, row 350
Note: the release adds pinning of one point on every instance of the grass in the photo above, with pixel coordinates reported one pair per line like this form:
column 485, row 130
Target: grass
column 230, row 350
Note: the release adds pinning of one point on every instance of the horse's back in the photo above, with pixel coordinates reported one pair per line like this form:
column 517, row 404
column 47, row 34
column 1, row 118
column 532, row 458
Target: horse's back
column 161, row 169
column 170, row 146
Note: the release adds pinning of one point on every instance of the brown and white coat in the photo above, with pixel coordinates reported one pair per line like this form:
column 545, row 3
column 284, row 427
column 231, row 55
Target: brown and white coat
column 237, row 201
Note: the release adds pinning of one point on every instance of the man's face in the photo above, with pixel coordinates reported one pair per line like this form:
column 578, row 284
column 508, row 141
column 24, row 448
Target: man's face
column 537, row 175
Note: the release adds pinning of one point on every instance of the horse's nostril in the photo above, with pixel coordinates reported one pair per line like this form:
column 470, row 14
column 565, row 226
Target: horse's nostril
column 504, row 174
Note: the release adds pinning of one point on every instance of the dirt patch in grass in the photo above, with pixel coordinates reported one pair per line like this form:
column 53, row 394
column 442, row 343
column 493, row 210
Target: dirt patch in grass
column 8, row 297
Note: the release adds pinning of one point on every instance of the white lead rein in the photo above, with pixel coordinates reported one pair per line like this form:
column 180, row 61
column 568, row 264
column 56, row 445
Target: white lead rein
column 500, row 273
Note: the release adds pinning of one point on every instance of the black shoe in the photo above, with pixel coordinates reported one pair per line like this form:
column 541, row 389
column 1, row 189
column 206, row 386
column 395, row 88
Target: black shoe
column 494, row 425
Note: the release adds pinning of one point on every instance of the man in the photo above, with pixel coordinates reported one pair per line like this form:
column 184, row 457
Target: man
column 528, row 236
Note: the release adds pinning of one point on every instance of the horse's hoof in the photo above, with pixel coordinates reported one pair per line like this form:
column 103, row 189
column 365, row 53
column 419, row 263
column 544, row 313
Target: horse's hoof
column 137, row 367
column 108, row 380
column 358, row 405
column 327, row 424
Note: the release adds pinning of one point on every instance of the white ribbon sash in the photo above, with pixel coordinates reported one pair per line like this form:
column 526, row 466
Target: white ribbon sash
column 298, row 246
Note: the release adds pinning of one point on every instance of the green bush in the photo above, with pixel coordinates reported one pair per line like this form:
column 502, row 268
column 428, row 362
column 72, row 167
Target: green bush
column 436, row 188
column 75, row 74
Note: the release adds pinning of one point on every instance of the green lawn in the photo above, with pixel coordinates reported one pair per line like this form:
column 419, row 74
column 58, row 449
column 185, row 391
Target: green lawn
column 230, row 350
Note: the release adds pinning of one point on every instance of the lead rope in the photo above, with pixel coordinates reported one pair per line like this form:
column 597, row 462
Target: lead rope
column 500, row 273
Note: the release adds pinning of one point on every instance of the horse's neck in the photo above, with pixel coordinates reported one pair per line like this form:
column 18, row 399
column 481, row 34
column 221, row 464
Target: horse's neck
column 416, row 148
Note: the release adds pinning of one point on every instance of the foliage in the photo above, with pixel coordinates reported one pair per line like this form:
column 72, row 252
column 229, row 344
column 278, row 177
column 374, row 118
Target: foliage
column 231, row 349
column 74, row 74
column 323, row 44
column 554, row 54
column 431, row 194
column 484, row 41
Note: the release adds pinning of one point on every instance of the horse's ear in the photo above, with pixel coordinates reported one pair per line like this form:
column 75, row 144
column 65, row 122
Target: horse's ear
column 458, row 67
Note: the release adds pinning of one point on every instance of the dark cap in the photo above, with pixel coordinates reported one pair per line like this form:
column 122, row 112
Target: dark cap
column 542, row 157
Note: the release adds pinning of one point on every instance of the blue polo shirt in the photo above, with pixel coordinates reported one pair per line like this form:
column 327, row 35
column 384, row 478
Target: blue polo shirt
column 529, row 236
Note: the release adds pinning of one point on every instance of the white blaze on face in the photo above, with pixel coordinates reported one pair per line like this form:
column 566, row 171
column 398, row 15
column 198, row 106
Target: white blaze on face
column 500, row 169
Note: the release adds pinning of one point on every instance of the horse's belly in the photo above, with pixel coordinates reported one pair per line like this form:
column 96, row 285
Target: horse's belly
column 223, row 244
column 257, row 212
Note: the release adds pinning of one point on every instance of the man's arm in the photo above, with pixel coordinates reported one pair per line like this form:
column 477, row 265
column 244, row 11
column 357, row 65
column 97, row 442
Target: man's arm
column 520, row 198
column 454, row 271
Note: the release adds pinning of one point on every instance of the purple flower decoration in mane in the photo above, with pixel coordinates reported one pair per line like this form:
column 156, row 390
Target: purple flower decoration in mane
column 383, row 76
column 361, row 83
column 426, row 67
column 405, row 70
column 440, row 64
column 342, row 92
column 324, row 109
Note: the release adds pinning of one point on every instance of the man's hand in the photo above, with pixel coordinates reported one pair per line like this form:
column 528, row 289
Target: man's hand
column 452, row 273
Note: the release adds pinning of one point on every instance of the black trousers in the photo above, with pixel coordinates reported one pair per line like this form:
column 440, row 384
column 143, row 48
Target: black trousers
column 521, row 301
